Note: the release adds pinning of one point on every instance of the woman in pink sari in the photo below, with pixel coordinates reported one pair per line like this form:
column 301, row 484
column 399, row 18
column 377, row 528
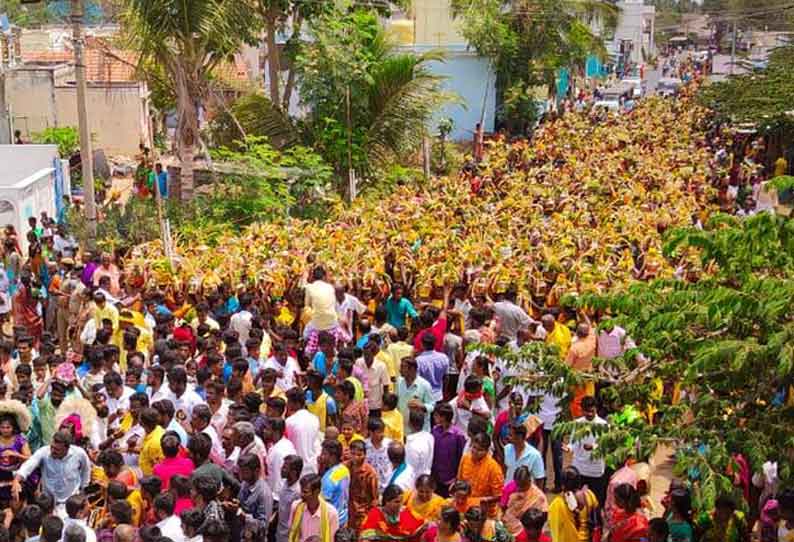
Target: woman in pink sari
column 519, row 496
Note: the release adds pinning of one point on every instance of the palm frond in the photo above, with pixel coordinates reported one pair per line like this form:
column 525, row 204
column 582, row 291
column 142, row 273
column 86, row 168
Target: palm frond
column 403, row 97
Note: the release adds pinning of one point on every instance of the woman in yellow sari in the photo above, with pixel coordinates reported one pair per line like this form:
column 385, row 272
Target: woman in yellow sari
column 574, row 514
column 423, row 501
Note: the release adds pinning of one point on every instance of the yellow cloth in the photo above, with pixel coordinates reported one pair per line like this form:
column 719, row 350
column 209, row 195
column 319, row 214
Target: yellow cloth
column 145, row 344
column 346, row 443
column 320, row 409
column 136, row 502
column 561, row 336
column 151, row 451
column 388, row 361
column 428, row 511
column 781, row 165
column 485, row 476
column 397, row 351
column 393, row 420
column 359, row 395
column 126, row 422
column 108, row 312
column 297, row 523
column 563, row 523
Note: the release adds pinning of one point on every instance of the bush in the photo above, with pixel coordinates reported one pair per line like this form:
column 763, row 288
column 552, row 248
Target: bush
column 67, row 139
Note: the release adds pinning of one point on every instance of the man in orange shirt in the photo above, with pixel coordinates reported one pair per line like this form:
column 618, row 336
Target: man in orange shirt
column 580, row 357
column 482, row 471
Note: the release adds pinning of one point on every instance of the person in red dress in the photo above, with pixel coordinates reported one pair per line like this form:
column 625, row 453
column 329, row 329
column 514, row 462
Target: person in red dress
column 532, row 522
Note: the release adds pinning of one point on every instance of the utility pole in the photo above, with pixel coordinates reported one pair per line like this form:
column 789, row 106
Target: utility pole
column 733, row 46
column 86, row 154
column 351, row 175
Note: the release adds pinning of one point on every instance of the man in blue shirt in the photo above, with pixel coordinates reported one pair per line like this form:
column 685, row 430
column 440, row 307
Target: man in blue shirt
column 162, row 180
column 336, row 480
column 398, row 307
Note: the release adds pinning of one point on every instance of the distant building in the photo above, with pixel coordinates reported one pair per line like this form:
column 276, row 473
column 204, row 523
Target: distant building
column 430, row 25
column 634, row 35
column 33, row 179
column 41, row 93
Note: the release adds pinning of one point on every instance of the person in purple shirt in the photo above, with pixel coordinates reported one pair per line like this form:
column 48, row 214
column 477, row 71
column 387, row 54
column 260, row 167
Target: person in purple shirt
column 448, row 445
column 433, row 366
column 91, row 262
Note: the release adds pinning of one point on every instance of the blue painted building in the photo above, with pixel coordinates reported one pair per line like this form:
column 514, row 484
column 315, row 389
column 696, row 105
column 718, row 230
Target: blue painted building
column 430, row 26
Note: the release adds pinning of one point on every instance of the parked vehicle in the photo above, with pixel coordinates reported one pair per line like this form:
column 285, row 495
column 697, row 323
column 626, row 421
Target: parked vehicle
column 668, row 86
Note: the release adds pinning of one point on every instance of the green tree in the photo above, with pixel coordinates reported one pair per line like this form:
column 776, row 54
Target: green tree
column 530, row 40
column 763, row 97
column 392, row 95
column 25, row 15
column 67, row 138
column 188, row 39
column 725, row 338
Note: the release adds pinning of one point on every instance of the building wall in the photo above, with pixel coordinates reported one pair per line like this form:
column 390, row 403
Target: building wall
column 636, row 23
column 31, row 99
column 473, row 80
column 434, row 24
column 21, row 161
column 116, row 116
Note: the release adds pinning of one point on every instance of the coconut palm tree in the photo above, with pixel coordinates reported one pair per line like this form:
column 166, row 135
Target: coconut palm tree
column 189, row 39
column 393, row 96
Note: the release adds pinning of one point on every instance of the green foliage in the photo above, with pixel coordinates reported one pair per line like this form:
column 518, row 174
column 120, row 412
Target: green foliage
column 261, row 183
column 529, row 41
column 392, row 95
column 27, row 15
column 67, row 138
column 520, row 108
column 724, row 340
column 763, row 98
column 257, row 117
column 119, row 225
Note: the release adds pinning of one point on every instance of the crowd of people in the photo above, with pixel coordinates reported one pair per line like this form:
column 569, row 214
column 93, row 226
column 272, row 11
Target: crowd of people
column 168, row 415
column 137, row 411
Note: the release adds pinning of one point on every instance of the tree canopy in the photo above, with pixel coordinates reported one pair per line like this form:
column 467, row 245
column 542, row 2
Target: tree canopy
column 719, row 340
column 763, row 97
column 530, row 40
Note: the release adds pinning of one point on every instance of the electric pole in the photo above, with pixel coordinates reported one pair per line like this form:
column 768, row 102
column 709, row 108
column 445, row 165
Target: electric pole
column 86, row 155
column 733, row 46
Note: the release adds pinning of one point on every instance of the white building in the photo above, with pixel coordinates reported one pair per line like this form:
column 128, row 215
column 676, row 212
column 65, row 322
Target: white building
column 33, row 180
column 635, row 30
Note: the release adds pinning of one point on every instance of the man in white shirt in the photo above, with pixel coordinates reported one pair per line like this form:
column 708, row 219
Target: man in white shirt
column 613, row 342
column 77, row 510
column 302, row 428
column 241, row 320
column 403, row 474
column 548, row 411
column 170, row 525
column 285, row 365
column 511, row 320
column 591, row 469
column 117, row 397
column 378, row 380
column 347, row 306
column 320, row 299
column 200, row 422
column 280, row 448
column 182, row 398
column 419, row 444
